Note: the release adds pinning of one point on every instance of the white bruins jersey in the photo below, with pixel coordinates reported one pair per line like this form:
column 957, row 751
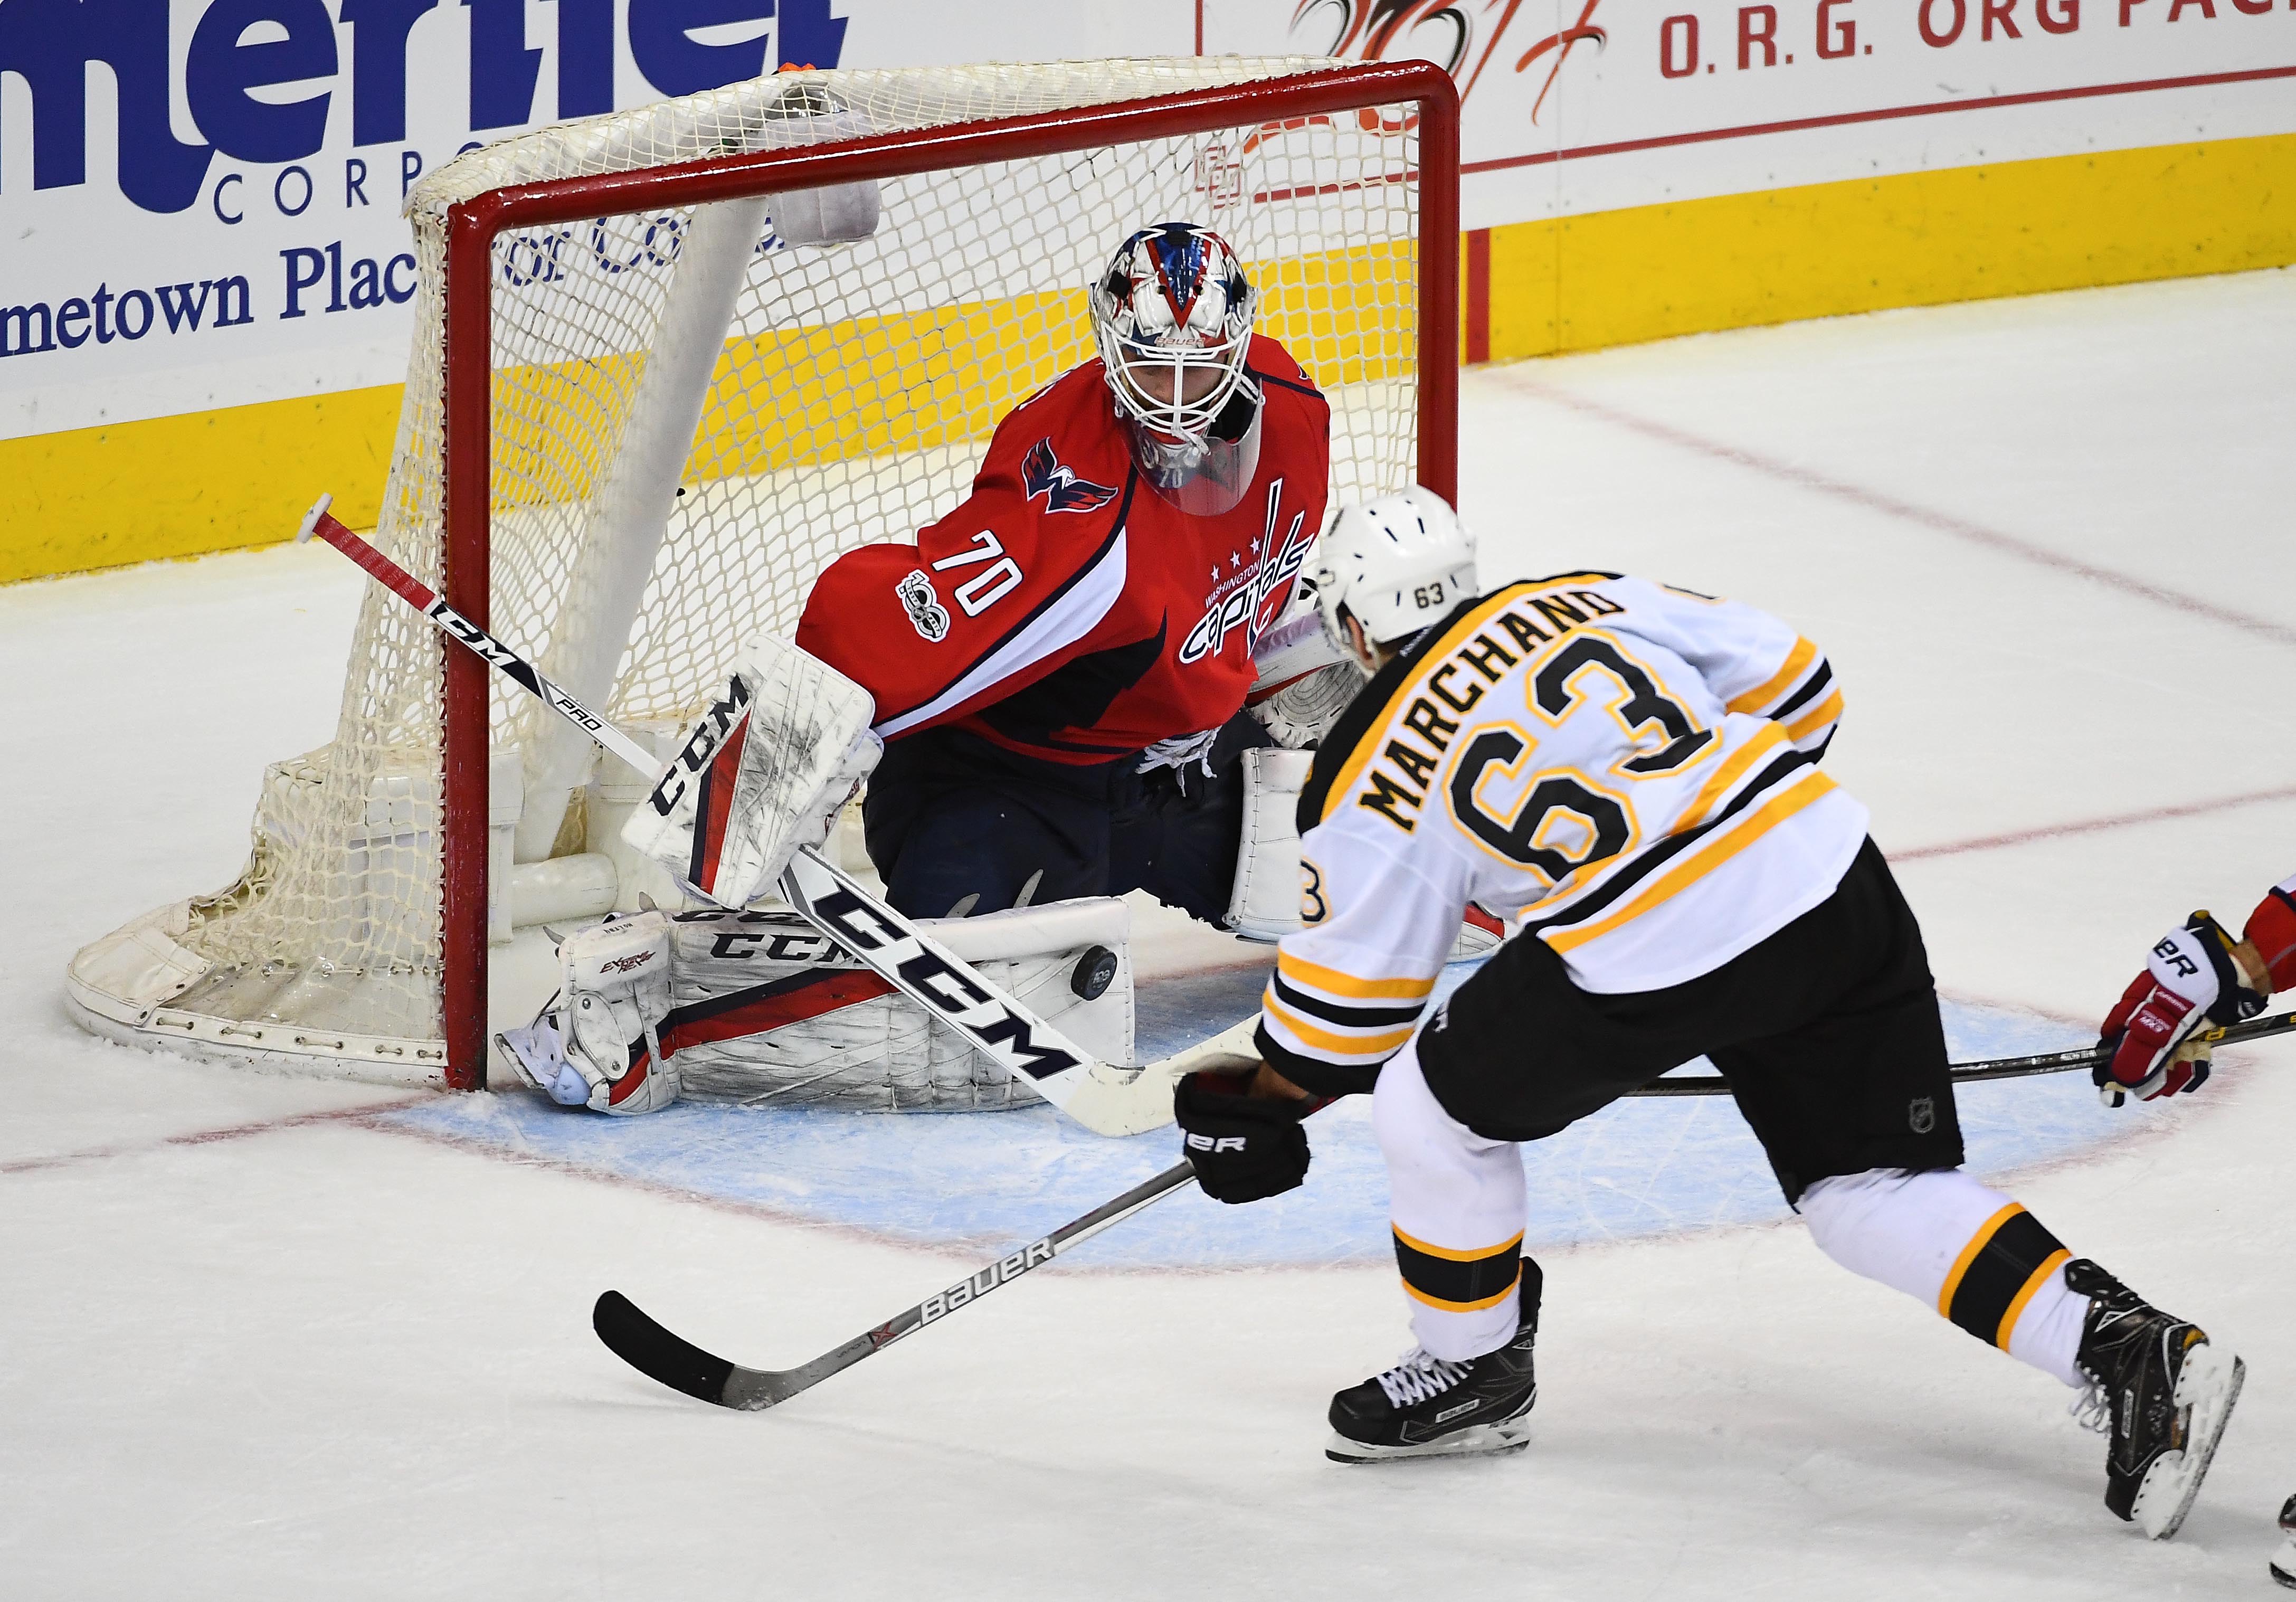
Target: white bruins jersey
column 1624, row 770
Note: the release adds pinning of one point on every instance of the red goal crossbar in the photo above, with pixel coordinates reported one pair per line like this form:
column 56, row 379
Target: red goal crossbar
column 473, row 226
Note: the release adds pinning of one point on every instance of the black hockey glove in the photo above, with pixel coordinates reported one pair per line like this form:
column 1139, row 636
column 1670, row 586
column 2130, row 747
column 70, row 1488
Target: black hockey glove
column 1245, row 1147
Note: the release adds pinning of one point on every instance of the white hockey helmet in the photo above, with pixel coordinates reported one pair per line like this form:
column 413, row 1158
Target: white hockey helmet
column 1396, row 562
column 1171, row 316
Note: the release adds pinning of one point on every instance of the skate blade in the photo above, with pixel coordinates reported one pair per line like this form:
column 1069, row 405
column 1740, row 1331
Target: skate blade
column 2209, row 1386
column 1483, row 1440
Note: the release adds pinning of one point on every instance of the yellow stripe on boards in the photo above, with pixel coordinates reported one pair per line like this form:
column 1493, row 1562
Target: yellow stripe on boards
column 181, row 486
column 1985, row 1232
column 1584, row 282
column 1451, row 1253
column 2049, row 1265
column 131, row 492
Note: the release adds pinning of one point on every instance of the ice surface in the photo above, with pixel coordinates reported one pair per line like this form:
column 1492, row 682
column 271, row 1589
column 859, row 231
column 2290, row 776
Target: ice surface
column 266, row 1336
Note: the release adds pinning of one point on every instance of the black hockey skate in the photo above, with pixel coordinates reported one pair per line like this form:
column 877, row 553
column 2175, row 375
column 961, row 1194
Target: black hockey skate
column 2283, row 1566
column 1425, row 1407
column 2162, row 1393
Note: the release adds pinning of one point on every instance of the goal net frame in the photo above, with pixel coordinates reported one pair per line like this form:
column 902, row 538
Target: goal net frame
column 473, row 226
column 635, row 469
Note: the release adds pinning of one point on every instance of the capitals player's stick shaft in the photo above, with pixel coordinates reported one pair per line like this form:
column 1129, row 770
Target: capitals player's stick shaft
column 1103, row 1099
column 1991, row 1068
column 661, row 1355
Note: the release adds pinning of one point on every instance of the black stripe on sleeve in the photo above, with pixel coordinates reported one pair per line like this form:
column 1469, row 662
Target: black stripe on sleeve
column 1346, row 1014
column 1810, row 686
column 1314, row 1075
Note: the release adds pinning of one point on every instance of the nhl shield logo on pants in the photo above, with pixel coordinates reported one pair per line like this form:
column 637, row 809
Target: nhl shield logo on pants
column 1921, row 1115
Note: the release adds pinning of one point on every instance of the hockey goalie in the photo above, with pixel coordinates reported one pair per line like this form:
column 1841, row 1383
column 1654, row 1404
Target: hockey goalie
column 1046, row 695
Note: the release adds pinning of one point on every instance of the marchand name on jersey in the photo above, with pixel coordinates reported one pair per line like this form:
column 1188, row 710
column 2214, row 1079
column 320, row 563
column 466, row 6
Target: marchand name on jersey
column 1477, row 651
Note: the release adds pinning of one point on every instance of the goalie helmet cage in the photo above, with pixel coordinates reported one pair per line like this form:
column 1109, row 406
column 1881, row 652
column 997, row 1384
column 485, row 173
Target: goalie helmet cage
column 649, row 401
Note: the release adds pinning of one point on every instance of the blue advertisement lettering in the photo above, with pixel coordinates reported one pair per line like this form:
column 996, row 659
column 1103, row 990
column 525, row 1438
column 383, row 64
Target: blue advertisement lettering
column 296, row 42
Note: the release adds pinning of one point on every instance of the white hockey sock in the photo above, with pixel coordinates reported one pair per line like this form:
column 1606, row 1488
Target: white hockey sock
column 1971, row 1253
column 1457, row 1202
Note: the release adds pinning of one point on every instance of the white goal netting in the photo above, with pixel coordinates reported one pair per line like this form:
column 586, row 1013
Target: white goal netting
column 690, row 417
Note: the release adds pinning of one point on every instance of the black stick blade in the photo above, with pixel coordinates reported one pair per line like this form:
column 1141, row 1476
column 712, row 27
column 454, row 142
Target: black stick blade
column 656, row 1352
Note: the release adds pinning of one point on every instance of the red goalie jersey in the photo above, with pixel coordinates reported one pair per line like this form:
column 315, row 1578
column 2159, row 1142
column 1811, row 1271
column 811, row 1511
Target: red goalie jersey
column 1065, row 610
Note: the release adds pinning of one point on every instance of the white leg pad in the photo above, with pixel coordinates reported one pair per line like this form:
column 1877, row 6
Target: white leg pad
column 1264, row 904
column 769, row 1012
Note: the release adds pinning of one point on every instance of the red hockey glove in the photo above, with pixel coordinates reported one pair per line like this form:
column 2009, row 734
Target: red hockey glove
column 2190, row 979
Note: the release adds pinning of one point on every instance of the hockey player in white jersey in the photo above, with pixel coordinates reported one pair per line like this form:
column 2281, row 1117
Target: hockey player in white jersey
column 1636, row 769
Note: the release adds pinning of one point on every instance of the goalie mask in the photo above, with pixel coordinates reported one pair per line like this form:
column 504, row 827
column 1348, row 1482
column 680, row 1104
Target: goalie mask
column 1172, row 318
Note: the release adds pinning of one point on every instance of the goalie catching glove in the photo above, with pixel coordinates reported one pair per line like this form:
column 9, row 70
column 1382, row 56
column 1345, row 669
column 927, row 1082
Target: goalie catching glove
column 762, row 776
column 602, row 1049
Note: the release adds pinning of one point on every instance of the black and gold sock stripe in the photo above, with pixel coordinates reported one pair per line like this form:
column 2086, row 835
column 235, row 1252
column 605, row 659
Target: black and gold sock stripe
column 2009, row 1257
column 1455, row 1281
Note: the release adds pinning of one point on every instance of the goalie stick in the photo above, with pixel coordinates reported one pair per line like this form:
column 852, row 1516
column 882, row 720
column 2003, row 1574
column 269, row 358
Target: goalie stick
column 667, row 1357
column 1105, row 1099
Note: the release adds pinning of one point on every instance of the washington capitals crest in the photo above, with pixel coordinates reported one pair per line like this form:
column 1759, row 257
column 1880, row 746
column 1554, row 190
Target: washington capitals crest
column 1042, row 472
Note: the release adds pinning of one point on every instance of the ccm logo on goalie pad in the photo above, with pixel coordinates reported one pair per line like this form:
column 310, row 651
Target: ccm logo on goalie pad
column 956, row 1295
column 1208, row 1143
column 929, row 978
column 709, row 735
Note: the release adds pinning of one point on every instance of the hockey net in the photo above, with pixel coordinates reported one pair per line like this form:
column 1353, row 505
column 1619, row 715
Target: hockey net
column 683, row 417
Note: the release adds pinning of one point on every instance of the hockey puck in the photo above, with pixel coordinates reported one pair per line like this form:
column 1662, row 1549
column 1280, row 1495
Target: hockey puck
column 1095, row 972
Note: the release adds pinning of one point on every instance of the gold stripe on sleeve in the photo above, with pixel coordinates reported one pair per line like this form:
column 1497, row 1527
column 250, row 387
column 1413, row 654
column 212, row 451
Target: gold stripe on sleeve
column 1805, row 652
column 1810, row 722
column 1383, row 1044
column 1347, row 984
column 1767, row 739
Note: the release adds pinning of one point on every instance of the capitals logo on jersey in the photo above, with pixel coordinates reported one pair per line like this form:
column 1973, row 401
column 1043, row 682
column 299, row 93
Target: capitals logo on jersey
column 1063, row 492
column 1254, row 604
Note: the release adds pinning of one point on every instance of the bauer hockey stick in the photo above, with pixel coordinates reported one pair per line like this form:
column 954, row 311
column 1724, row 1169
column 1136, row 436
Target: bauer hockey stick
column 2046, row 1061
column 664, row 1356
column 1105, row 1099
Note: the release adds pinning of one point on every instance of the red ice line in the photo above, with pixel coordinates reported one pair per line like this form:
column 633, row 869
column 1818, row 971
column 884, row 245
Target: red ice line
column 235, row 1131
column 1942, row 522
column 1989, row 842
